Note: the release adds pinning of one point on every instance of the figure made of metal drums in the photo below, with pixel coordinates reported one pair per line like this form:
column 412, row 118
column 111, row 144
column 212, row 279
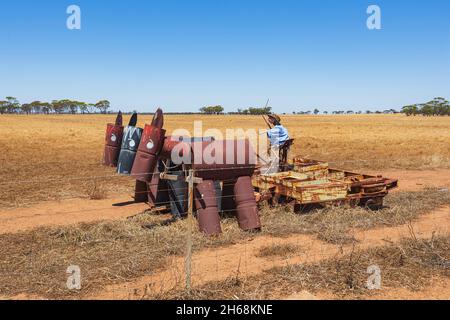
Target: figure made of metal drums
column 225, row 168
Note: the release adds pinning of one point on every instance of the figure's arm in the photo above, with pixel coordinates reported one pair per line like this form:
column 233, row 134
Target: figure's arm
column 267, row 122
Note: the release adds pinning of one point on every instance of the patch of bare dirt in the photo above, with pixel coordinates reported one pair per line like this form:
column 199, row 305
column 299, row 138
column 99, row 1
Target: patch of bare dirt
column 416, row 180
column 66, row 212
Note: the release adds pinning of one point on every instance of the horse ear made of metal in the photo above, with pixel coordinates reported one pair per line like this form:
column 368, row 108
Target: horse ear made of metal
column 113, row 141
column 133, row 120
column 130, row 144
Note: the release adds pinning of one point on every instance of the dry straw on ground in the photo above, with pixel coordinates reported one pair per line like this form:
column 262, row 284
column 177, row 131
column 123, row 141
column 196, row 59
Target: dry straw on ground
column 279, row 250
column 97, row 191
column 111, row 252
column 410, row 264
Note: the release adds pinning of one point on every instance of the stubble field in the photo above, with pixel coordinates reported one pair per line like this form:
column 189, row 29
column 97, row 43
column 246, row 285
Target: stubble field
column 59, row 156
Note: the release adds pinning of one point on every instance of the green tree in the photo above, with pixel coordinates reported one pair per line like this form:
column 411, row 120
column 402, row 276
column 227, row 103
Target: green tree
column 259, row 111
column 411, row 110
column 72, row 106
column 91, row 107
column 212, row 110
column 46, row 107
column 26, row 107
column 440, row 106
column 12, row 105
column 36, row 106
column 103, row 106
column 68, row 105
column 437, row 107
column 427, row 109
column 3, row 107
column 57, row 106
column 316, row 111
column 83, row 106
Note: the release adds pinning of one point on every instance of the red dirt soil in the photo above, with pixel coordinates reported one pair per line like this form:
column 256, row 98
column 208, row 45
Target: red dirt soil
column 66, row 212
column 416, row 180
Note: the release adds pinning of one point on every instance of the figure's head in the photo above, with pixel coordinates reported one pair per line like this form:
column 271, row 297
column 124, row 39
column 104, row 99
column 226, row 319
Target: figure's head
column 274, row 119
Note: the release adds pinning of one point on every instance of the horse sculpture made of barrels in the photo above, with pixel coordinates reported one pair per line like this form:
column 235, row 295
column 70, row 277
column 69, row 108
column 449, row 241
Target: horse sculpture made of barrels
column 226, row 183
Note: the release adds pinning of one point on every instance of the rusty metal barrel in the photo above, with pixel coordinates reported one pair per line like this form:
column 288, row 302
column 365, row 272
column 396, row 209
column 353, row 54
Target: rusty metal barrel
column 130, row 144
column 113, row 141
column 206, row 206
column 149, row 147
column 246, row 207
column 154, row 193
column 223, row 159
column 141, row 192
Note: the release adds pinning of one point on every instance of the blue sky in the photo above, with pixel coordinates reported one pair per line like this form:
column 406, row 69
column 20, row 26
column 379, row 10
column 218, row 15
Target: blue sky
column 182, row 55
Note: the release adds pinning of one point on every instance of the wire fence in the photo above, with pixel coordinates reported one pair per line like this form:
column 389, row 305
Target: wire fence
column 115, row 175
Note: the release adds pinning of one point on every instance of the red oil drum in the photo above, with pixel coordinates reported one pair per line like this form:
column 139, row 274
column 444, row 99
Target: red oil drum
column 171, row 145
column 141, row 192
column 149, row 148
column 113, row 141
column 158, row 194
column 223, row 160
column 206, row 206
column 154, row 192
column 246, row 207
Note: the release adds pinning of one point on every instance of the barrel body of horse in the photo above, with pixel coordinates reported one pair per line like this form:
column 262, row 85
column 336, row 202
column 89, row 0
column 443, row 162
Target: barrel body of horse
column 246, row 207
column 223, row 160
column 206, row 206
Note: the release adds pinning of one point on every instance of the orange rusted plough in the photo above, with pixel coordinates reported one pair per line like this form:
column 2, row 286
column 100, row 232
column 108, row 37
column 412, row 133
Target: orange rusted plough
column 312, row 182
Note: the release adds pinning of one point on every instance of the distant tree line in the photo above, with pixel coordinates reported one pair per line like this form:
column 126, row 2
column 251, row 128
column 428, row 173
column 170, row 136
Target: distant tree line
column 317, row 111
column 212, row 110
column 250, row 111
column 254, row 111
column 437, row 107
column 65, row 106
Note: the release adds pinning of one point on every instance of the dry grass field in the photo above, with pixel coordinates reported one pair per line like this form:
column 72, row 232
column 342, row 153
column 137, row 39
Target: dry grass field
column 50, row 170
column 59, row 156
